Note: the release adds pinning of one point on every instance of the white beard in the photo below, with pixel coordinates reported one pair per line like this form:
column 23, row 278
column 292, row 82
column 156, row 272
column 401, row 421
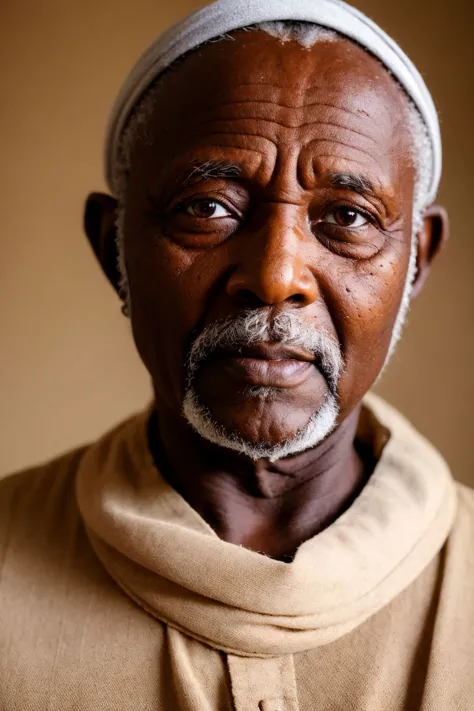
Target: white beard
column 288, row 328
column 319, row 426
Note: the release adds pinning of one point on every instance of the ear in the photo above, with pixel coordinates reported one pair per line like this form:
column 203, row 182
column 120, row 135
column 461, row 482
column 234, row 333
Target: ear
column 431, row 241
column 99, row 225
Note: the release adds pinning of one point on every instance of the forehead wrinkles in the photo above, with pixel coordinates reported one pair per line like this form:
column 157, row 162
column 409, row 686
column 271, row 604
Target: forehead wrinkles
column 292, row 97
column 257, row 76
column 318, row 122
column 334, row 102
column 286, row 124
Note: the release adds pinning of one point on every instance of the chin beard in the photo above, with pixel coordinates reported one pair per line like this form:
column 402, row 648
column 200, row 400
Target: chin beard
column 259, row 326
column 319, row 426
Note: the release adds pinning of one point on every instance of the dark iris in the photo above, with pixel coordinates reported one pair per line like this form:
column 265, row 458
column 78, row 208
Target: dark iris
column 345, row 216
column 204, row 208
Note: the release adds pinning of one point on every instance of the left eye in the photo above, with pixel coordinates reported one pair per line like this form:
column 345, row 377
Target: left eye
column 207, row 209
column 346, row 217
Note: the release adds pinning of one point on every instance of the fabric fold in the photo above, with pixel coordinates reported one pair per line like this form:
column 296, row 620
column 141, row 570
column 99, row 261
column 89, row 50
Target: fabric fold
column 170, row 561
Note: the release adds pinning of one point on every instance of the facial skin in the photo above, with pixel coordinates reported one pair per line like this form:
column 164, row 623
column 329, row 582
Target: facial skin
column 280, row 226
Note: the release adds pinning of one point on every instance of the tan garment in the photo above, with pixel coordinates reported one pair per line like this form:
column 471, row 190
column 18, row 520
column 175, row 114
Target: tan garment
column 376, row 613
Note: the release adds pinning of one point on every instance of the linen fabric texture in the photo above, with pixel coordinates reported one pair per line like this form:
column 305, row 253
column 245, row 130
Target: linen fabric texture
column 225, row 16
column 116, row 594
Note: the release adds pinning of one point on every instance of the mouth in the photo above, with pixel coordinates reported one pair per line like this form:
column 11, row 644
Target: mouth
column 267, row 364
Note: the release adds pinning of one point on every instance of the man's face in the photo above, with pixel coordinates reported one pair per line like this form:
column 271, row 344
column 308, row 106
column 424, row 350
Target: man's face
column 270, row 177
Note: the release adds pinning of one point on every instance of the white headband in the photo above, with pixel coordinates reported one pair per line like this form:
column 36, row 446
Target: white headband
column 227, row 15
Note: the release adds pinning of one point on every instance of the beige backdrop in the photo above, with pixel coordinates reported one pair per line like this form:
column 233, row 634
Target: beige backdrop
column 68, row 369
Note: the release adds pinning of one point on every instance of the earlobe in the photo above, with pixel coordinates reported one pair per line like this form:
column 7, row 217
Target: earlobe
column 99, row 225
column 431, row 241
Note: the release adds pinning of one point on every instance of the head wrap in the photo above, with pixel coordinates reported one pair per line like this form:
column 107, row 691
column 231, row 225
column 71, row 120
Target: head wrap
column 227, row 15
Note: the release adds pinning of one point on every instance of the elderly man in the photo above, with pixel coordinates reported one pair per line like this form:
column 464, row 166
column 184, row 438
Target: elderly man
column 265, row 537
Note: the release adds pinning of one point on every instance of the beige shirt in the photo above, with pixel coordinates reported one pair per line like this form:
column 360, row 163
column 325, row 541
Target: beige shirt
column 115, row 594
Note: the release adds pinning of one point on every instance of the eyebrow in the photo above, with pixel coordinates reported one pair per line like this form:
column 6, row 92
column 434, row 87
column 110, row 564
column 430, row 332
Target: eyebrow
column 353, row 181
column 204, row 170
column 212, row 168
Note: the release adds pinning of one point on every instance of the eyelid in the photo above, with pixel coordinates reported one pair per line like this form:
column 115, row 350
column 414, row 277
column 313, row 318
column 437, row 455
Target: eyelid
column 188, row 205
column 366, row 221
column 369, row 216
column 219, row 199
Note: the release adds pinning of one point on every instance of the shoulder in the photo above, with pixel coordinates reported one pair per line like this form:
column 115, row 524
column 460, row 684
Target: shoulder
column 50, row 478
column 464, row 522
column 42, row 540
column 458, row 552
column 465, row 498
column 43, row 499
column 48, row 486
column 45, row 551
column 38, row 499
column 53, row 587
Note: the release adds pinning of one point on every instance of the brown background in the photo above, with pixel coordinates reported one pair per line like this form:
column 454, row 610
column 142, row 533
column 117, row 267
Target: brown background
column 68, row 368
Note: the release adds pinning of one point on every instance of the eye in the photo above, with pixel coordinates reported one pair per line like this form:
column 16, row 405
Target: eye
column 207, row 209
column 346, row 217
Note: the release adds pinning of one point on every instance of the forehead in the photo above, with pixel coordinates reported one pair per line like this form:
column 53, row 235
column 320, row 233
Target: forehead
column 256, row 96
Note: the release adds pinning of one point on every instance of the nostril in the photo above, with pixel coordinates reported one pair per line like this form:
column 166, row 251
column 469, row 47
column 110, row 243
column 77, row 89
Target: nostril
column 247, row 298
column 299, row 299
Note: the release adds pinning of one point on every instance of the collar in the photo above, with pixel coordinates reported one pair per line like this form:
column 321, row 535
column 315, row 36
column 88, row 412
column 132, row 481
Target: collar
column 170, row 561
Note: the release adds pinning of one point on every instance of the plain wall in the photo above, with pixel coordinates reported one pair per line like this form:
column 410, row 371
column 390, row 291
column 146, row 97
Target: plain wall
column 68, row 367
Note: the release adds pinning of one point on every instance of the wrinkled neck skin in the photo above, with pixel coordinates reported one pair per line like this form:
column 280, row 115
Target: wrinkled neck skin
column 270, row 508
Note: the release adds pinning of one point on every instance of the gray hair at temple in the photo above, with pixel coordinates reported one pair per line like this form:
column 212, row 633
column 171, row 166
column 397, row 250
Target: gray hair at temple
column 307, row 34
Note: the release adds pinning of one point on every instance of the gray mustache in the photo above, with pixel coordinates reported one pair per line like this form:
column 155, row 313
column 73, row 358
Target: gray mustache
column 287, row 327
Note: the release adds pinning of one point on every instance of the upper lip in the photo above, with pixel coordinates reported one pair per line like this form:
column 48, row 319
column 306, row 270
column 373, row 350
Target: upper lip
column 268, row 351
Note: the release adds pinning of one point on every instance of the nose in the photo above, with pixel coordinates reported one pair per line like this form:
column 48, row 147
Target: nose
column 272, row 266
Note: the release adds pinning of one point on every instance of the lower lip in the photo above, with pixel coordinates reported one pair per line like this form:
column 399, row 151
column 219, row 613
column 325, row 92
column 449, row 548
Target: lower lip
column 269, row 373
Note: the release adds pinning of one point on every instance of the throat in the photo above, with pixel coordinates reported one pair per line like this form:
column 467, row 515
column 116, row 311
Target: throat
column 270, row 508
column 284, row 514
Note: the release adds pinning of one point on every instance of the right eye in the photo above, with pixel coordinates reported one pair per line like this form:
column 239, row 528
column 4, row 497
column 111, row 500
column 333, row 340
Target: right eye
column 348, row 217
column 206, row 209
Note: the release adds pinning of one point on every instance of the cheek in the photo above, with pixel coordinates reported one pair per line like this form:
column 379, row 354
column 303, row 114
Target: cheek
column 369, row 298
column 169, row 290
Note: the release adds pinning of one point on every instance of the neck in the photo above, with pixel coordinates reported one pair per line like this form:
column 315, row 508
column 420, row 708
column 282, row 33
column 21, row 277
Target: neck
column 267, row 507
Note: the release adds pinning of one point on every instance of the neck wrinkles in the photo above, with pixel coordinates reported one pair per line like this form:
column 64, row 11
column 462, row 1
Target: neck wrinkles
column 267, row 507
